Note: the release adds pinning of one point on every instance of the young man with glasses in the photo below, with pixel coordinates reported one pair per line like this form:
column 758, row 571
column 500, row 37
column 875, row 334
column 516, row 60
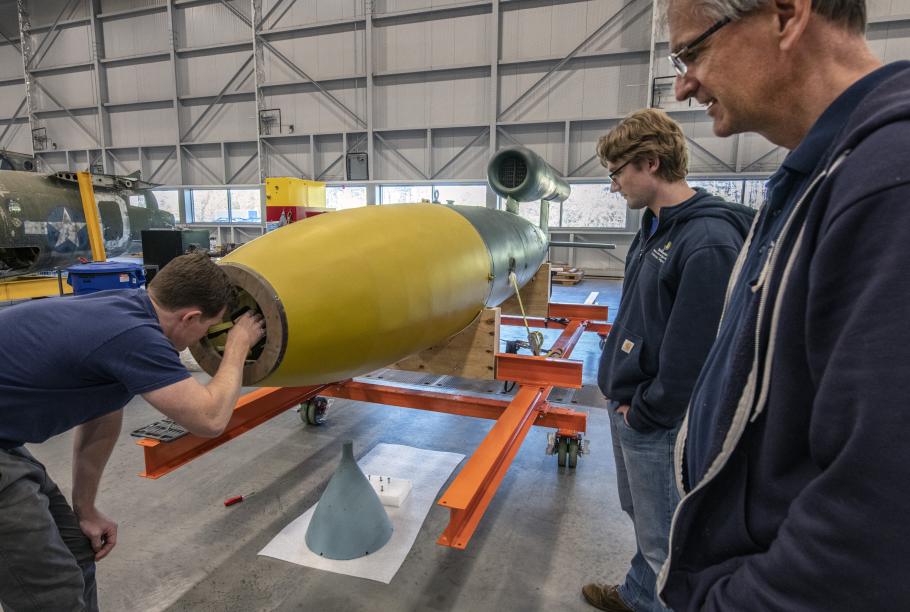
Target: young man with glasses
column 794, row 456
column 676, row 272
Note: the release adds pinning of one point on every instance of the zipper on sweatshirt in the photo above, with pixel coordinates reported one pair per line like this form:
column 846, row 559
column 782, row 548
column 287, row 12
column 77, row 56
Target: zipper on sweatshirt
column 740, row 420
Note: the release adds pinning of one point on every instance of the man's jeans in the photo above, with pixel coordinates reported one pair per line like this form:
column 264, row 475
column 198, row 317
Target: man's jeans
column 46, row 562
column 647, row 493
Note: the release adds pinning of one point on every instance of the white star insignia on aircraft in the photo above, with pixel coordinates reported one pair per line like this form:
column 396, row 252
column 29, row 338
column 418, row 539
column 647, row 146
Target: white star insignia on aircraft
column 67, row 229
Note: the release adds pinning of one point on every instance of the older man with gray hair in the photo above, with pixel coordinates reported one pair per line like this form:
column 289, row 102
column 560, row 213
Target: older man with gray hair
column 794, row 459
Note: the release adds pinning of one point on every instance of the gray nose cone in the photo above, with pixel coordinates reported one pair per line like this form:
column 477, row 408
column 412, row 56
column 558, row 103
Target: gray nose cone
column 349, row 521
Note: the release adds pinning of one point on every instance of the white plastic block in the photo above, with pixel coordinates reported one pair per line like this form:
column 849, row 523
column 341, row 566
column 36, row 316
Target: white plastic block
column 391, row 491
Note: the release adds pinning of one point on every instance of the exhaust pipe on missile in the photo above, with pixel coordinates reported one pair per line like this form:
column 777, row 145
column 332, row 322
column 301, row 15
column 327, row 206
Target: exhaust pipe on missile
column 352, row 291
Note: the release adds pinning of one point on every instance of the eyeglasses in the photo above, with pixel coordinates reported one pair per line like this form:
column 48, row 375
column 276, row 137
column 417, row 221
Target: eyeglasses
column 613, row 175
column 679, row 65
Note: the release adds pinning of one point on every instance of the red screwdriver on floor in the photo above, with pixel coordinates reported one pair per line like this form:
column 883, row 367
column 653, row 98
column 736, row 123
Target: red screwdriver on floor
column 230, row 501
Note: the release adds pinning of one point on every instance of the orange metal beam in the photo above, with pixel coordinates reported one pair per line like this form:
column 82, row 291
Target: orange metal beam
column 587, row 312
column 476, row 484
column 450, row 403
column 600, row 328
column 538, row 371
column 252, row 409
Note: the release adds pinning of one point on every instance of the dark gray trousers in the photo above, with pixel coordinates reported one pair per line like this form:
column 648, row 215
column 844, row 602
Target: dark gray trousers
column 46, row 562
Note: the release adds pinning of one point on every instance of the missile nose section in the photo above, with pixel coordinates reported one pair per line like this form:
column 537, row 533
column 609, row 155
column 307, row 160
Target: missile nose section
column 524, row 176
column 348, row 292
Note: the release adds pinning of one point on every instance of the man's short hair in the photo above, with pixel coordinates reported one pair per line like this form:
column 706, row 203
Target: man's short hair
column 193, row 281
column 644, row 134
column 849, row 14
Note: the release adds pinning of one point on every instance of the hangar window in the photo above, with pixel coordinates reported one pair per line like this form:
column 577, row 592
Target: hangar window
column 463, row 195
column 592, row 205
column 168, row 201
column 343, row 197
column 210, row 206
column 731, row 191
column 404, row 194
column 245, row 205
column 754, row 194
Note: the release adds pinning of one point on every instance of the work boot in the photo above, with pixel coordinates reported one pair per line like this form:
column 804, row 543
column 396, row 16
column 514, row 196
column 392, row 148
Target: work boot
column 605, row 597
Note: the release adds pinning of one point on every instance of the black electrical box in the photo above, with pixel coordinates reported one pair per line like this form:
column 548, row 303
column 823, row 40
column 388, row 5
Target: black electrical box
column 159, row 247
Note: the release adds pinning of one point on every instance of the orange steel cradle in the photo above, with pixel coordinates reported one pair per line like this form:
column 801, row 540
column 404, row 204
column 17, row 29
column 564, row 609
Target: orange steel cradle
column 475, row 485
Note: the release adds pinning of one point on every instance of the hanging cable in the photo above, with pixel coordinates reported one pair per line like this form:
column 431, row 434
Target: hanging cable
column 535, row 338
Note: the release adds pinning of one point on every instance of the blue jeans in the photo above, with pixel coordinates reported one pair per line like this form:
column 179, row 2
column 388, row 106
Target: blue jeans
column 46, row 562
column 647, row 493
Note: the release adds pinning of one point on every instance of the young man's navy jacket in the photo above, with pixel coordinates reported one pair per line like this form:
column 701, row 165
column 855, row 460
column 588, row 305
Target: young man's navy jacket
column 797, row 457
column 672, row 297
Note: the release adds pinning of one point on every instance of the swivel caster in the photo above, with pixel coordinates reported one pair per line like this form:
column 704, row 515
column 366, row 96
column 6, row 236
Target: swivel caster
column 313, row 411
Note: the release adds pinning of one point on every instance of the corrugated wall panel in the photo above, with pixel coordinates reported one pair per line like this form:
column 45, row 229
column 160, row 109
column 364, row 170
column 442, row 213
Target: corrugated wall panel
column 337, row 53
column 165, row 159
column 430, row 100
column 447, row 143
column 328, row 150
column 207, row 75
column 295, row 160
column 44, row 12
column 150, row 82
column 72, row 45
column 310, row 11
column 108, row 6
column 309, row 110
column 238, row 165
column 231, row 121
column 134, row 35
column 435, row 43
column 142, row 127
column 202, row 165
column 70, row 88
column 66, row 135
column 582, row 146
column 210, row 24
column 10, row 98
column 412, row 145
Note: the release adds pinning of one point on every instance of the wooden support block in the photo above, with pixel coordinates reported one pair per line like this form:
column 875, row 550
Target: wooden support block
column 535, row 296
column 470, row 353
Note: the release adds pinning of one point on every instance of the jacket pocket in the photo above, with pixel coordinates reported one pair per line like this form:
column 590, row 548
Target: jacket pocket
column 620, row 372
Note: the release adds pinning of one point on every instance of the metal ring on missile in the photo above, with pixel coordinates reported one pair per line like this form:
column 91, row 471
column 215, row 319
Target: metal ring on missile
column 272, row 310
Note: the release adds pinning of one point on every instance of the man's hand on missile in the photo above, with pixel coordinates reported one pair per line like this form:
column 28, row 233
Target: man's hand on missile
column 248, row 329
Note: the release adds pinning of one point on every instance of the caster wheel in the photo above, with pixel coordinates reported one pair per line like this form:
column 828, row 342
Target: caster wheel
column 313, row 411
column 562, row 452
column 573, row 453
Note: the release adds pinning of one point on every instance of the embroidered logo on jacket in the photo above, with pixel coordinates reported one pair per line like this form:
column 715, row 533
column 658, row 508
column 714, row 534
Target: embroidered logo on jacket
column 661, row 254
column 627, row 346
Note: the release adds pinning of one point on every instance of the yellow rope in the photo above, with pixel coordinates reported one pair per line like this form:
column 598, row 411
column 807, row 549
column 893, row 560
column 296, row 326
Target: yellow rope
column 535, row 338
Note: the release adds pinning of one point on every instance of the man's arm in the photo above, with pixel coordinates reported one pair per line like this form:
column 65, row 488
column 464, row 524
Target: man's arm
column 690, row 332
column 92, row 448
column 205, row 410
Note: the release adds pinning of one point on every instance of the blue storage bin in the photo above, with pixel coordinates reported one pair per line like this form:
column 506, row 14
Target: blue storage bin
column 104, row 275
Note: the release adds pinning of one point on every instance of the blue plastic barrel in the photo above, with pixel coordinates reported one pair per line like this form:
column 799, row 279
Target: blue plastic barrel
column 104, row 275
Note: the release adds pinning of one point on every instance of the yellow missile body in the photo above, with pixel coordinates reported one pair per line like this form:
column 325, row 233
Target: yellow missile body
column 348, row 292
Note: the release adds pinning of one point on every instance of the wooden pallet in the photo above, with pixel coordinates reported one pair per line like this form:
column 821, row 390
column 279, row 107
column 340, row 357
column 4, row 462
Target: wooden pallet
column 568, row 276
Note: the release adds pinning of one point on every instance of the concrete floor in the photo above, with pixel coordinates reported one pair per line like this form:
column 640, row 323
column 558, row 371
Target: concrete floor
column 548, row 530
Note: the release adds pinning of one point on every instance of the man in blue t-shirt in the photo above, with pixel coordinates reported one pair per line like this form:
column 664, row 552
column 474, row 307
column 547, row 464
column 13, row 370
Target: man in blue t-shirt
column 75, row 363
column 794, row 459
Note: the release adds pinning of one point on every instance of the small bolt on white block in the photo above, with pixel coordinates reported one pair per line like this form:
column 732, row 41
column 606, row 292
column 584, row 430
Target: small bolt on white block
column 391, row 491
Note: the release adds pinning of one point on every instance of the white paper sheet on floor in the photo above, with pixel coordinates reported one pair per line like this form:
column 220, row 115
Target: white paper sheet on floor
column 428, row 471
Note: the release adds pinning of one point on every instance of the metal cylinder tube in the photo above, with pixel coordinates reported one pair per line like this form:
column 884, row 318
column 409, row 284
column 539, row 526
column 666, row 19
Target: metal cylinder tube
column 524, row 176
